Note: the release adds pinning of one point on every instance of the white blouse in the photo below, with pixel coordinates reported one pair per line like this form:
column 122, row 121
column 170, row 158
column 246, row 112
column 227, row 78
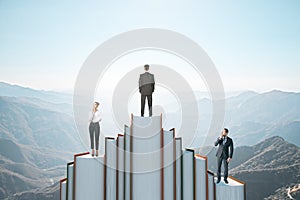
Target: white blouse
column 94, row 117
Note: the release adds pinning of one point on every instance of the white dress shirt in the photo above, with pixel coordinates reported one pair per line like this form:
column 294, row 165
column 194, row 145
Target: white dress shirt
column 94, row 116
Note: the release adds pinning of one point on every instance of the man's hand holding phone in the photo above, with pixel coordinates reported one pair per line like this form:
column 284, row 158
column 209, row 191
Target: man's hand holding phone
column 221, row 136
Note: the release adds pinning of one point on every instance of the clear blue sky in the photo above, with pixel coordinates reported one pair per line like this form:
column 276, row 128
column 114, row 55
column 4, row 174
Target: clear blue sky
column 254, row 44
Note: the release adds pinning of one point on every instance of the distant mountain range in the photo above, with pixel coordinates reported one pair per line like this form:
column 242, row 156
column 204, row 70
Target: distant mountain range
column 252, row 117
column 37, row 123
column 10, row 90
column 259, row 116
column 38, row 136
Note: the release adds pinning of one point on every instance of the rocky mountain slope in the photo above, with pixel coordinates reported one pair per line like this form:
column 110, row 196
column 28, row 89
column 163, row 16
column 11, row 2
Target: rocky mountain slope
column 265, row 167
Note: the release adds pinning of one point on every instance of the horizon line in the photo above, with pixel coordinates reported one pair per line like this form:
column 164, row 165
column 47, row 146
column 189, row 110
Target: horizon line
column 70, row 91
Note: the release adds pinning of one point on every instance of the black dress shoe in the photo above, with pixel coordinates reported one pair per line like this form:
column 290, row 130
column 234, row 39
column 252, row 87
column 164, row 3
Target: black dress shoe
column 225, row 180
column 218, row 181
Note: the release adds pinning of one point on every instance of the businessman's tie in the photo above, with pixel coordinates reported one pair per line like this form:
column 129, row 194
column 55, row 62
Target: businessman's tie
column 224, row 140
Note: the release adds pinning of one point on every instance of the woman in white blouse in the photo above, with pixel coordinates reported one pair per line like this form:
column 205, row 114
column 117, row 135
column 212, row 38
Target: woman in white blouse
column 94, row 127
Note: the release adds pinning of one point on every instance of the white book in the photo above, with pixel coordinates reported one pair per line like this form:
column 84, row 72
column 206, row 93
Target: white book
column 201, row 176
column 70, row 181
column 178, row 167
column 211, row 186
column 110, row 168
column 146, row 158
column 120, row 167
column 63, row 189
column 88, row 177
column 234, row 190
column 127, row 161
column 188, row 179
column 169, row 153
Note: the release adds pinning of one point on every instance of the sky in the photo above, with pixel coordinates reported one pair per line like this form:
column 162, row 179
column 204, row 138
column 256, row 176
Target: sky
column 255, row 45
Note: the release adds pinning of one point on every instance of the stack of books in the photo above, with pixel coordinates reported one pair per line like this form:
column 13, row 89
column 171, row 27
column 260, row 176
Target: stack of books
column 145, row 162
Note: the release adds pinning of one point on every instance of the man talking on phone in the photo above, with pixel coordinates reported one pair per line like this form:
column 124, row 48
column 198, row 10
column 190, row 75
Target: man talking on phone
column 224, row 154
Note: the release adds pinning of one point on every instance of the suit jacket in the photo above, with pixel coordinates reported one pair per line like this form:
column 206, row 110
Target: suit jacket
column 146, row 83
column 226, row 149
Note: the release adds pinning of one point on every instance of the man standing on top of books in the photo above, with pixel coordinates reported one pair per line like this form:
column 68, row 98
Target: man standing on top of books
column 224, row 153
column 146, row 87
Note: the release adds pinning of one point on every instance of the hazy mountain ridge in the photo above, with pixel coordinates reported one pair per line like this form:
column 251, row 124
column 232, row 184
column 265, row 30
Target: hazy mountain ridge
column 271, row 107
column 20, row 91
column 37, row 138
column 34, row 125
column 260, row 116
column 28, row 163
column 253, row 117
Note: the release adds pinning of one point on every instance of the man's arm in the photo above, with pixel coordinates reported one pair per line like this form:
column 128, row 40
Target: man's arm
column 231, row 149
column 153, row 83
column 219, row 140
column 231, row 152
column 140, row 83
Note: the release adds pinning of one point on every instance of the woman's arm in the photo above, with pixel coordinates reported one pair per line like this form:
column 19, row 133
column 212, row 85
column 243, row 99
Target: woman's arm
column 90, row 116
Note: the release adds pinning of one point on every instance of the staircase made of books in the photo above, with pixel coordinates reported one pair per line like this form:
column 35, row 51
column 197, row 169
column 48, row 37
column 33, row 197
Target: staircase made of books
column 145, row 163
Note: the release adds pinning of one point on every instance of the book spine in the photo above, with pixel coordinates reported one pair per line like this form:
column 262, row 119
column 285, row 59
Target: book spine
column 110, row 168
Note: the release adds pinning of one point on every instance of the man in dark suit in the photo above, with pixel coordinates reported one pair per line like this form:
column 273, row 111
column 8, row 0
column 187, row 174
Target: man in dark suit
column 224, row 153
column 146, row 87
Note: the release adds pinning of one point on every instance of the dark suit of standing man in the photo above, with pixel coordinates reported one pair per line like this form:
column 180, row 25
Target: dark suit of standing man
column 224, row 153
column 146, row 87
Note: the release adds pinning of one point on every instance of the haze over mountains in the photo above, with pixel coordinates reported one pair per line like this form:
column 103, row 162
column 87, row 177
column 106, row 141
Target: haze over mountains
column 38, row 136
column 252, row 117
column 259, row 116
column 19, row 91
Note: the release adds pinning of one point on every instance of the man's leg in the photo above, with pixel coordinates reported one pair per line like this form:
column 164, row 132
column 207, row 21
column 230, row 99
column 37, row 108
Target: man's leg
column 143, row 98
column 149, row 98
column 225, row 169
column 219, row 161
